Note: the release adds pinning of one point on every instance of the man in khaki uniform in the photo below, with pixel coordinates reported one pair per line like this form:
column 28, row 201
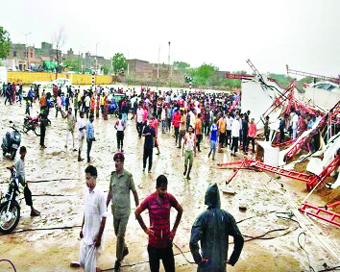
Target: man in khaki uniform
column 119, row 192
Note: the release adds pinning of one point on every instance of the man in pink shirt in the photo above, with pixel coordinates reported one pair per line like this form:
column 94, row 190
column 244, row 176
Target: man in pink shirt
column 160, row 237
column 155, row 127
column 176, row 121
column 252, row 133
column 59, row 104
column 146, row 113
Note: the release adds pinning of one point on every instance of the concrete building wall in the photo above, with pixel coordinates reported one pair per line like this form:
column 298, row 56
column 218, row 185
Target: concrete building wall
column 147, row 73
column 77, row 79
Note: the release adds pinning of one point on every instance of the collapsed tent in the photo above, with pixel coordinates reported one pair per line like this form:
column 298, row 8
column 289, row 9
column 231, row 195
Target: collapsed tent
column 324, row 94
column 324, row 157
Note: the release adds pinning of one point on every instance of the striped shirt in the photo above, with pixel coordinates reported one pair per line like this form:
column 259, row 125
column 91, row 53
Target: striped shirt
column 159, row 213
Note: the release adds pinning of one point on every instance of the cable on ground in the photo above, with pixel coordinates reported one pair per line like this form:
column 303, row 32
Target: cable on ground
column 303, row 248
column 12, row 264
column 36, row 229
column 49, row 180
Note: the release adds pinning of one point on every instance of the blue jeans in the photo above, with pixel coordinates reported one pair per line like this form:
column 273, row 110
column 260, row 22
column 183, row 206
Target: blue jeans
column 124, row 117
column 89, row 146
column 213, row 146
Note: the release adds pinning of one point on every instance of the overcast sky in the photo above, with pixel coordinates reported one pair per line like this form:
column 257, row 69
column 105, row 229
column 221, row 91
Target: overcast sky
column 305, row 34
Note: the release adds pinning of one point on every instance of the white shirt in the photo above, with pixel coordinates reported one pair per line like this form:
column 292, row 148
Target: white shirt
column 120, row 125
column 235, row 130
column 163, row 114
column 81, row 124
column 19, row 166
column 87, row 101
column 229, row 121
column 190, row 144
column 192, row 119
column 94, row 210
column 140, row 115
column 295, row 121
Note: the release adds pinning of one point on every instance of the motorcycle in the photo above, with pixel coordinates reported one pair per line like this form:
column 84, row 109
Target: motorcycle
column 9, row 207
column 11, row 142
column 33, row 124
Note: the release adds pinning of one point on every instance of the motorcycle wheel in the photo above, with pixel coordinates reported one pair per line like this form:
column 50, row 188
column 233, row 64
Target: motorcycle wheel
column 13, row 153
column 9, row 220
column 37, row 130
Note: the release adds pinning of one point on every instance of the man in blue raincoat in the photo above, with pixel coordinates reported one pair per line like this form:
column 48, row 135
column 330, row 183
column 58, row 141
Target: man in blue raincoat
column 212, row 228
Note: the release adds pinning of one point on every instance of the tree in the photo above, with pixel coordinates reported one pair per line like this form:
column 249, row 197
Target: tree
column 282, row 80
column 119, row 64
column 181, row 65
column 5, row 43
column 106, row 69
column 204, row 74
column 73, row 64
column 59, row 40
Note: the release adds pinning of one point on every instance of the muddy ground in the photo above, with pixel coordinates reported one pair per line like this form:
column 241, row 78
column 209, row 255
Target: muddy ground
column 50, row 242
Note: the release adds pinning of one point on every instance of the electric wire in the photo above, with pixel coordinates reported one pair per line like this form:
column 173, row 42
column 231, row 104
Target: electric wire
column 303, row 248
column 295, row 207
column 12, row 264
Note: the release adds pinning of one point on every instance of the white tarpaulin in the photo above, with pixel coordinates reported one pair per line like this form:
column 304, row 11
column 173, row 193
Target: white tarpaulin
column 316, row 165
column 258, row 98
column 322, row 98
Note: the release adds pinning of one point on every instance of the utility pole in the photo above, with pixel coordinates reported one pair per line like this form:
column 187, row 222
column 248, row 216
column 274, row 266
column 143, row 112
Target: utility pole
column 82, row 66
column 172, row 65
column 96, row 65
column 169, row 58
column 26, row 53
column 128, row 64
column 159, row 52
column 96, row 57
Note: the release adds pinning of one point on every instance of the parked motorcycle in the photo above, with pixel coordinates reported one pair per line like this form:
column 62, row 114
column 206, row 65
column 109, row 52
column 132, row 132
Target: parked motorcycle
column 11, row 142
column 33, row 124
column 9, row 207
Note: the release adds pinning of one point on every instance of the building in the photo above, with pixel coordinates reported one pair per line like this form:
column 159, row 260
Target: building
column 17, row 59
column 145, row 73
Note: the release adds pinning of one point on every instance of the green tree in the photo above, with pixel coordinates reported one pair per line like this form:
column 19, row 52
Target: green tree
column 119, row 63
column 181, row 65
column 5, row 43
column 282, row 80
column 106, row 69
column 204, row 74
column 73, row 64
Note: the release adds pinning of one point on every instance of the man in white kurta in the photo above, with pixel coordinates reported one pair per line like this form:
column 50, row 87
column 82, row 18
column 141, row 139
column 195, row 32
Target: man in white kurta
column 91, row 244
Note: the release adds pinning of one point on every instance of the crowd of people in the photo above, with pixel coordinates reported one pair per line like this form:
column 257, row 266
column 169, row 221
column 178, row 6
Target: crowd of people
column 189, row 117
column 215, row 116
column 296, row 123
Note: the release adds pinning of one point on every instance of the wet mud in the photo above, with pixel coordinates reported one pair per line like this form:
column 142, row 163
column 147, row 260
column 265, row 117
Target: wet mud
column 50, row 241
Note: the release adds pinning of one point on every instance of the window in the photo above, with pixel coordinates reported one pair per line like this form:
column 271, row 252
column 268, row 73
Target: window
column 31, row 54
column 14, row 53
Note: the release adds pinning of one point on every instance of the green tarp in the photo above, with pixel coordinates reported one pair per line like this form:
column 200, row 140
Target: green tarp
column 49, row 65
